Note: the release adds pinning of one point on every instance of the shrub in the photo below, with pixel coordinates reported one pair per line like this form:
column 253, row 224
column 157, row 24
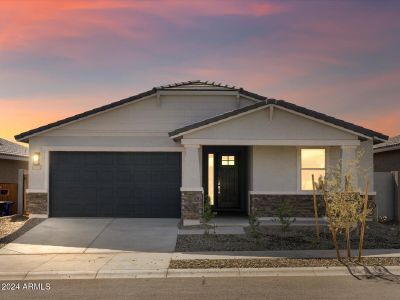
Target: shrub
column 254, row 224
column 207, row 216
column 284, row 217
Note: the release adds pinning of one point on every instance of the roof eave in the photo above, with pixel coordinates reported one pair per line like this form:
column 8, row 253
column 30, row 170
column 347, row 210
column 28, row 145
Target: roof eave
column 13, row 157
column 387, row 148
column 25, row 136
column 177, row 134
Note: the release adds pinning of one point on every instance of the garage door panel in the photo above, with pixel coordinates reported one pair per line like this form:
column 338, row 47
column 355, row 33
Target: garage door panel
column 97, row 184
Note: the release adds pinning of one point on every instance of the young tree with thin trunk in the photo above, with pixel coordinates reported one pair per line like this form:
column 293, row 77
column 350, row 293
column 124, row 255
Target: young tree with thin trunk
column 345, row 206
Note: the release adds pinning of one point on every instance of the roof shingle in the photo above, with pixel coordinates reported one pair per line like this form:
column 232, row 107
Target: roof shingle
column 393, row 142
column 198, row 85
column 12, row 149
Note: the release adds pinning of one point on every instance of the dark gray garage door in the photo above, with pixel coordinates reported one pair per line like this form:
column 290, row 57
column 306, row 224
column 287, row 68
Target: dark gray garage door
column 115, row 184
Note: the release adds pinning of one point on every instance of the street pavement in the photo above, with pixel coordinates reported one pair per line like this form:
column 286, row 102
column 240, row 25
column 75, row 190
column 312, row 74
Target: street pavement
column 213, row 288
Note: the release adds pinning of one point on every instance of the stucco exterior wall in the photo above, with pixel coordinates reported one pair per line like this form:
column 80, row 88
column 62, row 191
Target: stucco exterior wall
column 9, row 170
column 152, row 117
column 142, row 124
column 283, row 126
column 367, row 165
column 275, row 169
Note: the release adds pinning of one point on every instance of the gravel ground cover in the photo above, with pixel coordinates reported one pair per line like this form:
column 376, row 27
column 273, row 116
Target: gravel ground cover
column 279, row 263
column 377, row 236
column 15, row 226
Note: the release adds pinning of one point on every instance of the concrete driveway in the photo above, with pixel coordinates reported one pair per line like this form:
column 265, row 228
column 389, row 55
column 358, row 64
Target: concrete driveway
column 92, row 235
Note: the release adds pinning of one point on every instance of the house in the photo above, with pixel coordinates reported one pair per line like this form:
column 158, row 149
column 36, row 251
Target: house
column 387, row 155
column 13, row 157
column 157, row 154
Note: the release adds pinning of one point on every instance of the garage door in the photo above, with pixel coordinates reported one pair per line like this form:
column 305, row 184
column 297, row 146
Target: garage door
column 115, row 184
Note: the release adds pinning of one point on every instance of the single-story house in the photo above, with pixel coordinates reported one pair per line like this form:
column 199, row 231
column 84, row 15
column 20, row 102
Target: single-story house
column 13, row 157
column 387, row 155
column 159, row 153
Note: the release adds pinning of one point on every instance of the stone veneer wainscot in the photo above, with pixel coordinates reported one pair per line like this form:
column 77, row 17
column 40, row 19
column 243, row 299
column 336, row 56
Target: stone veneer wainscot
column 36, row 203
column 300, row 205
column 192, row 203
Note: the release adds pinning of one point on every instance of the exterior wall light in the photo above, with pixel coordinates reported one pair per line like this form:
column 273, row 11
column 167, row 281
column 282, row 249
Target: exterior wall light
column 36, row 158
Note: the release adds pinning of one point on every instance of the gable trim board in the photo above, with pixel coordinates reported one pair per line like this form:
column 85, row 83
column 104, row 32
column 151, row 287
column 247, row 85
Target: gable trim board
column 279, row 104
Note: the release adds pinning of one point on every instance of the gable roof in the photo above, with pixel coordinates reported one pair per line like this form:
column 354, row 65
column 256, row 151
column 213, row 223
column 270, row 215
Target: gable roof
column 12, row 150
column 392, row 144
column 193, row 85
column 198, row 85
column 376, row 136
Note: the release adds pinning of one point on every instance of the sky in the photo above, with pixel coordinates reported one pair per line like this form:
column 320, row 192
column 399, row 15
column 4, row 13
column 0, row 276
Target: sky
column 59, row 58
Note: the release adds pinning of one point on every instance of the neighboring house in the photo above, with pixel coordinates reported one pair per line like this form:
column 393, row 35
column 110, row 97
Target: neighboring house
column 13, row 157
column 158, row 153
column 387, row 155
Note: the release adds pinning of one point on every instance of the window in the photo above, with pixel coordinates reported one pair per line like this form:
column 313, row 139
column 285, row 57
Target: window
column 312, row 162
column 211, row 178
column 228, row 160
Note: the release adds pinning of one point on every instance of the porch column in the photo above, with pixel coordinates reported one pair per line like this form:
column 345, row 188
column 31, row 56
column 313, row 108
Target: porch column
column 191, row 190
column 347, row 167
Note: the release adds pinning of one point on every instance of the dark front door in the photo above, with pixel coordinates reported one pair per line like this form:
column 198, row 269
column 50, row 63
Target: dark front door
column 224, row 169
column 227, row 169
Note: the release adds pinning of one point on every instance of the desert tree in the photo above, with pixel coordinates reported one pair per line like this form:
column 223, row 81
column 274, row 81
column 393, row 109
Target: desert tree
column 345, row 206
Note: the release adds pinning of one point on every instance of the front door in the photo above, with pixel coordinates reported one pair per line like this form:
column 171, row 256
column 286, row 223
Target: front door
column 224, row 178
column 227, row 169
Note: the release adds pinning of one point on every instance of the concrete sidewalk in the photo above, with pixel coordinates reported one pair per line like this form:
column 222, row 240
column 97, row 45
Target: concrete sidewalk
column 156, row 265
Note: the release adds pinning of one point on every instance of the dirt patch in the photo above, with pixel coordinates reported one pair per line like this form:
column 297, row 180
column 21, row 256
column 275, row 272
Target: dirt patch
column 279, row 263
column 15, row 226
column 377, row 236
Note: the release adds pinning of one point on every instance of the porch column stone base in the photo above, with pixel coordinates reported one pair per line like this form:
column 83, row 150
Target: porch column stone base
column 192, row 205
column 36, row 203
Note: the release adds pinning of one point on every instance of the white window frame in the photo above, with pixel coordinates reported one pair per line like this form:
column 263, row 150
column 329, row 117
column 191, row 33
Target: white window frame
column 299, row 168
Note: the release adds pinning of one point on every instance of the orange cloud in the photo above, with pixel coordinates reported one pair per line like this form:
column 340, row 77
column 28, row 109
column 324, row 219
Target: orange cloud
column 26, row 23
column 386, row 122
column 25, row 114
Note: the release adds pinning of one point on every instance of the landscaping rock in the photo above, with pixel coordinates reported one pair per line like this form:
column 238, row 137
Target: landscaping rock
column 280, row 263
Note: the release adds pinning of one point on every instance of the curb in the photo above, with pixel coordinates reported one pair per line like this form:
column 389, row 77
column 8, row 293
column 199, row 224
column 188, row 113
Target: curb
column 199, row 273
column 161, row 273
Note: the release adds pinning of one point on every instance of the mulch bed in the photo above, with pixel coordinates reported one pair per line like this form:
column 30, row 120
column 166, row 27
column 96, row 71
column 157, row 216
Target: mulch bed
column 377, row 236
column 15, row 226
column 280, row 263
